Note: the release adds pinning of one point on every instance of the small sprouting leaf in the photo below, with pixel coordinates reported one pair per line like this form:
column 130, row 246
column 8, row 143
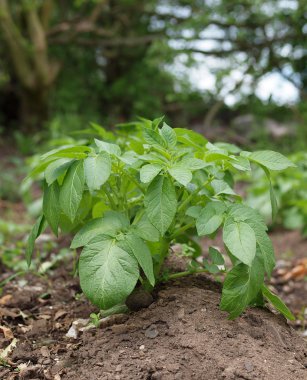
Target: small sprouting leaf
column 51, row 206
column 72, row 190
column 277, row 303
column 181, row 174
column 97, row 170
column 161, row 203
column 210, row 218
column 112, row 223
column 169, row 135
column 37, row 229
column 112, row 149
column 240, row 239
column 241, row 287
column 141, row 252
column 108, row 273
column 271, row 160
column 149, row 172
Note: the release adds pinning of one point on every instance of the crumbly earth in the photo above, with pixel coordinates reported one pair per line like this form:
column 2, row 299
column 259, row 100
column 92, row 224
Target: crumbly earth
column 182, row 335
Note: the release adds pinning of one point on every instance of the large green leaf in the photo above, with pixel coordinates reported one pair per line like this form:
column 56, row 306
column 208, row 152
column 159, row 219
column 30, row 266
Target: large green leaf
column 161, row 203
column 37, row 229
column 190, row 138
column 264, row 245
column 149, row 172
column 51, row 206
column 108, row 273
column 277, row 303
column 56, row 169
column 97, row 170
column 240, row 239
column 271, row 160
column 181, row 173
column 72, row 190
column 210, row 218
column 241, row 287
column 112, row 223
column 141, row 252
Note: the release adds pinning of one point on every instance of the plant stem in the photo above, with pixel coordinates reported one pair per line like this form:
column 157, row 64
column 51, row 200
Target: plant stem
column 182, row 229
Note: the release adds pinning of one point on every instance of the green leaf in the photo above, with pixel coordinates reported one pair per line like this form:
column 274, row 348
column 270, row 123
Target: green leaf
column 194, row 211
column 72, row 190
column 221, row 187
column 141, row 252
column 97, row 170
column 243, row 213
column 56, row 169
column 37, row 229
column 153, row 138
column 240, row 239
column 277, row 303
column 156, row 122
column 193, row 163
column 216, row 256
column 241, row 287
column 108, row 273
column 77, row 152
column 111, row 224
column 264, row 245
column 271, row 160
column 169, row 135
column 181, row 174
column 149, row 172
column 112, row 149
column 51, row 206
column 161, row 203
column 190, row 138
column 210, row 218
column 146, row 230
column 274, row 205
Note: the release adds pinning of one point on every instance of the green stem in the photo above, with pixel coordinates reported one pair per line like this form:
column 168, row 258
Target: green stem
column 182, row 229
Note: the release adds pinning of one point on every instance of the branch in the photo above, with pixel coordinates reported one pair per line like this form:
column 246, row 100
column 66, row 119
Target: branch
column 46, row 13
column 17, row 46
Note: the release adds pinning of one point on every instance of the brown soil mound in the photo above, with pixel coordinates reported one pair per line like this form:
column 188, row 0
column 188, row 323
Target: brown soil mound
column 182, row 335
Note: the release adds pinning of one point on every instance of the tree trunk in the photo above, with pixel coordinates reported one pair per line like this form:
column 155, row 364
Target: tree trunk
column 33, row 109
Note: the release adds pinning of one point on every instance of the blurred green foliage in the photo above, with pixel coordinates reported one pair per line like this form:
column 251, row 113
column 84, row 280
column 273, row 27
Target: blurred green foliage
column 290, row 188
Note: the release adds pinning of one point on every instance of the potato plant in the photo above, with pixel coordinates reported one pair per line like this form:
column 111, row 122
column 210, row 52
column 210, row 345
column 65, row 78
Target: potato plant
column 128, row 196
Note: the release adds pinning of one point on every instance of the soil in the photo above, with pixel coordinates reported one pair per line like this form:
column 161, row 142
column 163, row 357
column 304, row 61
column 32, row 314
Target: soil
column 181, row 335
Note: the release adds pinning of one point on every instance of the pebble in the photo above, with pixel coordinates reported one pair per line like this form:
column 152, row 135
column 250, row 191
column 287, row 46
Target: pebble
column 248, row 366
column 151, row 332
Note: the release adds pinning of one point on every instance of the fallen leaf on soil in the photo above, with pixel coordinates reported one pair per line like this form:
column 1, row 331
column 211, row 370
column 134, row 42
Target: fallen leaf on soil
column 59, row 314
column 5, row 299
column 4, row 353
column 298, row 272
column 7, row 332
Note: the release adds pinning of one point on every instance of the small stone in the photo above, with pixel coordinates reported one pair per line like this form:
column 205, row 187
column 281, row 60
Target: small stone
column 142, row 347
column 151, row 332
column 248, row 366
column 118, row 368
